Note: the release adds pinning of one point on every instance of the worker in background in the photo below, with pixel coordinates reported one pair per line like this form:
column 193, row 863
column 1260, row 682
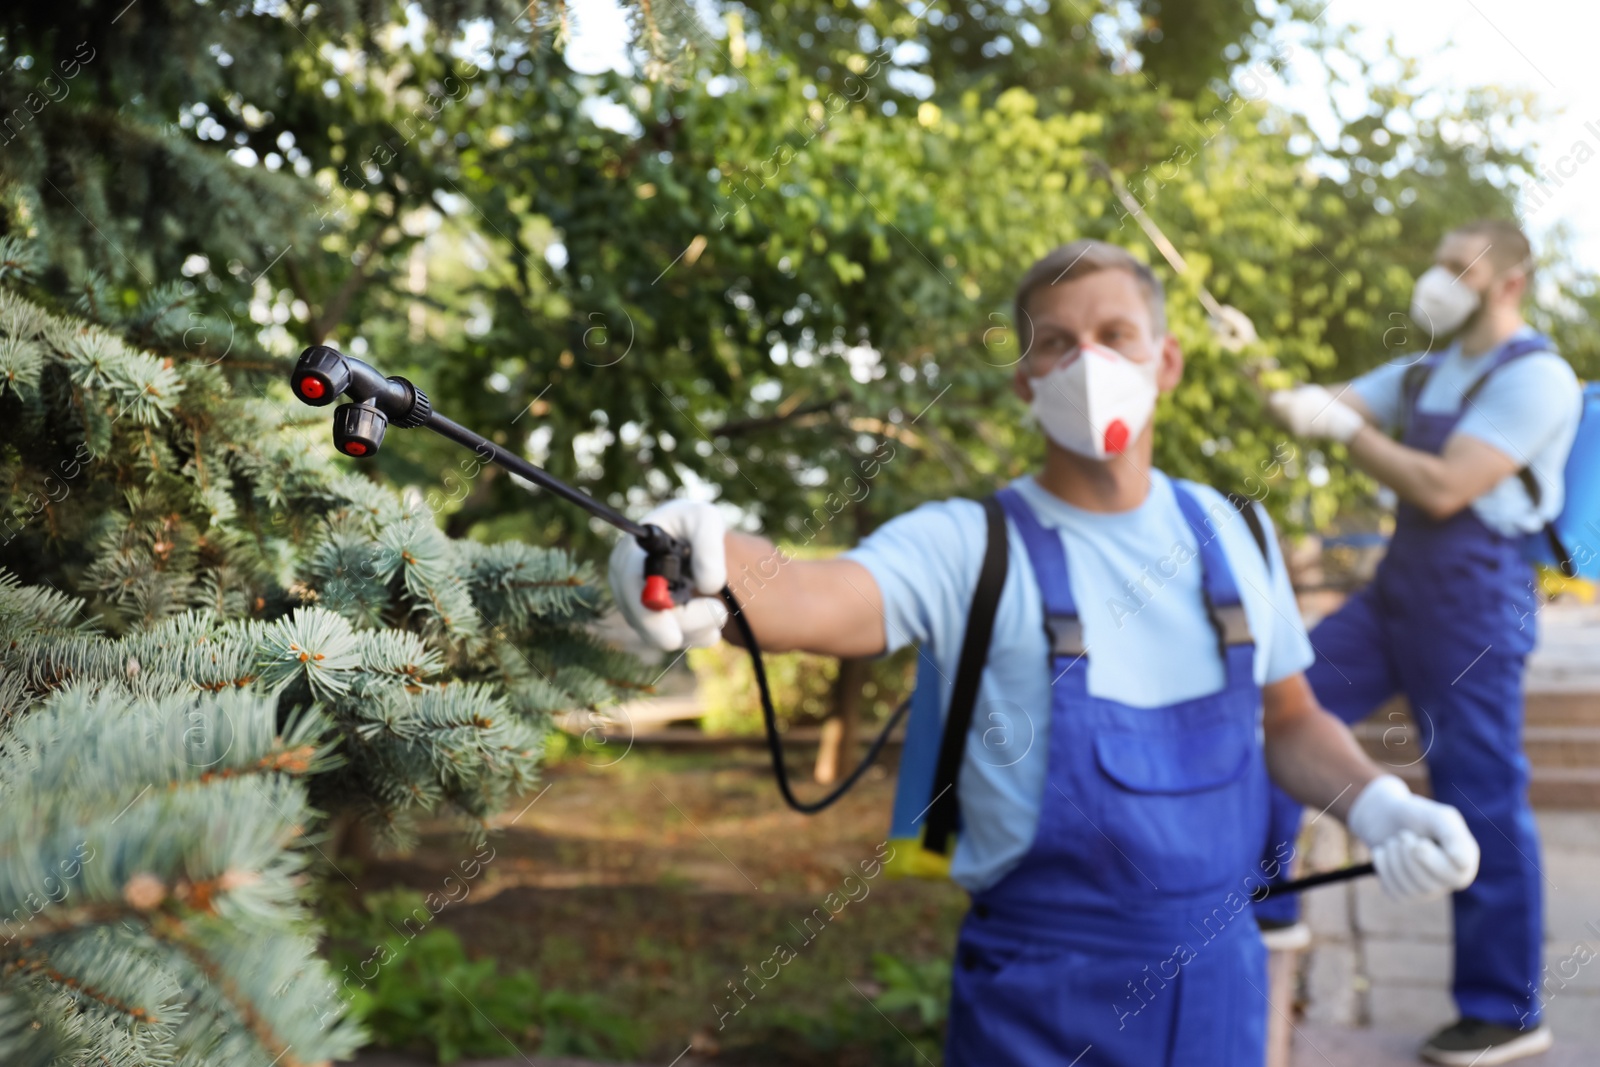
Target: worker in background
column 1483, row 428
column 1107, row 861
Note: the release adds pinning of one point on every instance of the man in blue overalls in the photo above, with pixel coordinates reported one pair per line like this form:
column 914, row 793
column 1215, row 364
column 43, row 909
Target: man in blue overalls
column 1143, row 679
column 1485, row 426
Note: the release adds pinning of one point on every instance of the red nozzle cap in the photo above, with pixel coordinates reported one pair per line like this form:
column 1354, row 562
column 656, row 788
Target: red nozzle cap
column 355, row 448
column 656, row 595
column 312, row 388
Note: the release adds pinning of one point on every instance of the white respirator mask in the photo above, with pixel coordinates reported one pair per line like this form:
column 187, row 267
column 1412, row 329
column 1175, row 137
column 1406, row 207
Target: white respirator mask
column 1095, row 402
column 1441, row 302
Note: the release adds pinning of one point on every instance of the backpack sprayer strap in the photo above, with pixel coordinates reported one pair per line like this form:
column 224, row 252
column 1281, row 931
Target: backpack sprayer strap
column 1246, row 507
column 945, row 808
column 1416, row 377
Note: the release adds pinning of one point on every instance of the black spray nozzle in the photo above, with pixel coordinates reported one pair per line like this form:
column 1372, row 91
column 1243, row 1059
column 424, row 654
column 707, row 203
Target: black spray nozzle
column 666, row 569
column 324, row 374
column 321, row 376
column 358, row 428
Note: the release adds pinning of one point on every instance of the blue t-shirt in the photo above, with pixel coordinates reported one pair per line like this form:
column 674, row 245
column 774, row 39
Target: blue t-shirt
column 1136, row 581
column 1529, row 411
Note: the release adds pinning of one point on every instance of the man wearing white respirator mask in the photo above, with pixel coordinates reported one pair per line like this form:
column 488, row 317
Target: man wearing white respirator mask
column 1483, row 422
column 1149, row 653
column 1095, row 401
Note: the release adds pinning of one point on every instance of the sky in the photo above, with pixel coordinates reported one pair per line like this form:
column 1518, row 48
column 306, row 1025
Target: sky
column 1547, row 47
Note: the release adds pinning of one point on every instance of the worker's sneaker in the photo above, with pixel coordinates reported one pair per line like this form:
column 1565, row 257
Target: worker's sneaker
column 1475, row 1043
column 1281, row 936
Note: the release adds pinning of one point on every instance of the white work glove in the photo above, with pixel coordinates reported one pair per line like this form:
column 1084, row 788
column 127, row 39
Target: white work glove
column 1421, row 848
column 697, row 624
column 1312, row 411
column 1233, row 328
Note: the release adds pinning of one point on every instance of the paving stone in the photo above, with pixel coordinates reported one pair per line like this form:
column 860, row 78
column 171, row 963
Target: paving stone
column 1571, row 899
column 1390, row 960
column 1327, row 844
column 1575, row 1020
column 1409, row 1007
column 1571, row 968
column 1577, row 831
column 1322, row 1045
column 1331, row 982
column 1327, row 912
column 1377, row 914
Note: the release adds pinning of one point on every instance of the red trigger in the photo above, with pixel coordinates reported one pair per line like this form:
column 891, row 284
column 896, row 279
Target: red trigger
column 656, row 596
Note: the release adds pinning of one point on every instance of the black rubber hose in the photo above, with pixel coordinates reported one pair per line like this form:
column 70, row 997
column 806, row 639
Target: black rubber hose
column 396, row 397
column 770, row 717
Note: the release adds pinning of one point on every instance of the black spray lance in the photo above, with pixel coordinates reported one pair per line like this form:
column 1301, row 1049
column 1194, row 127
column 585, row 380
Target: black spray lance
column 324, row 374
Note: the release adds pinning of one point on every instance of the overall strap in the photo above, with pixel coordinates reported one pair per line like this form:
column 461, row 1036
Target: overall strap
column 1062, row 627
column 1522, row 346
column 944, row 809
column 1513, row 349
column 1246, row 507
column 1417, row 374
column 1415, row 377
column 1224, row 606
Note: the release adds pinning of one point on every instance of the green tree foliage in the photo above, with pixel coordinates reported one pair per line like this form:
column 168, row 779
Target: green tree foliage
column 152, row 910
column 789, row 276
column 225, row 638
column 600, row 268
column 125, row 124
column 1057, row 51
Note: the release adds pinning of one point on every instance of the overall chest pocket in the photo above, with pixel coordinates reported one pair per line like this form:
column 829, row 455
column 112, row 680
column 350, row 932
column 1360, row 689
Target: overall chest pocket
column 1182, row 811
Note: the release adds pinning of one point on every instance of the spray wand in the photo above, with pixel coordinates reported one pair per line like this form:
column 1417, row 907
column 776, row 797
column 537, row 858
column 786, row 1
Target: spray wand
column 323, row 375
column 1233, row 328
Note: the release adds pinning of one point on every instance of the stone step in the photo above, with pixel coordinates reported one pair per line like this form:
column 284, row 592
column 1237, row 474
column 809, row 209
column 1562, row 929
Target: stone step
column 1562, row 746
column 1576, row 788
column 1395, row 741
column 1557, row 707
column 1541, row 707
column 1566, row 787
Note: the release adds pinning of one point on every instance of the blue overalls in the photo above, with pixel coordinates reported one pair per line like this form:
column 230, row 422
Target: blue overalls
column 1124, row 937
column 1449, row 620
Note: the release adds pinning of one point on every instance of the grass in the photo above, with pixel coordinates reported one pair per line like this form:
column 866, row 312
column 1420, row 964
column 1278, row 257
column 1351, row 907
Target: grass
column 677, row 892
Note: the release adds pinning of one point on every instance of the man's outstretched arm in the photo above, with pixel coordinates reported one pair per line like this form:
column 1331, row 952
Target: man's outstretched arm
column 832, row 607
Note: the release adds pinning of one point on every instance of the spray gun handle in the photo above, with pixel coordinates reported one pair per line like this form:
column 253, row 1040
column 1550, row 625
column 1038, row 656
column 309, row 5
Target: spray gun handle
column 666, row 570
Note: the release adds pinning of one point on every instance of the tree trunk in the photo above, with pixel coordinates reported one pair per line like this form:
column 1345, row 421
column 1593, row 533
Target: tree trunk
column 350, row 838
column 836, row 755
